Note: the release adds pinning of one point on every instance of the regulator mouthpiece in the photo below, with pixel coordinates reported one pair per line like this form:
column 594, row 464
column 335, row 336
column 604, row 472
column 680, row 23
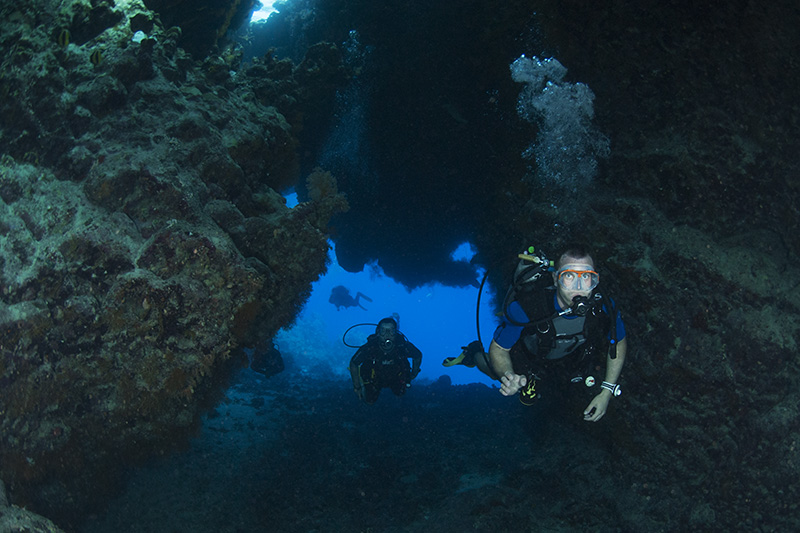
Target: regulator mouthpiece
column 581, row 305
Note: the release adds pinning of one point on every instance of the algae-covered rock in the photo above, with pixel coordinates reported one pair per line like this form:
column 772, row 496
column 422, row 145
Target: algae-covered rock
column 13, row 518
column 143, row 240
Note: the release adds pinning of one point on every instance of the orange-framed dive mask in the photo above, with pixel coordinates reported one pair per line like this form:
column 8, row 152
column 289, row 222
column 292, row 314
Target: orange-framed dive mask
column 578, row 280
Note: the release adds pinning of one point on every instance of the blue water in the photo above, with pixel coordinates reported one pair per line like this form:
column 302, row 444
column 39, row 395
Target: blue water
column 437, row 319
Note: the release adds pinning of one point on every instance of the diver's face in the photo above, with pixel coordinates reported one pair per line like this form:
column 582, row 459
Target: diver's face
column 575, row 277
column 387, row 334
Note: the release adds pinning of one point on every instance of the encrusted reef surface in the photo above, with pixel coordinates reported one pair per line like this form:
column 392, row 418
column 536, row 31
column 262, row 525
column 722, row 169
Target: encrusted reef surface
column 142, row 240
column 13, row 518
column 694, row 221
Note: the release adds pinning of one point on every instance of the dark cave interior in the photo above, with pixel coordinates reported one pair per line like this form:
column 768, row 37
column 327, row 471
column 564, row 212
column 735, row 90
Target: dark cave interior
column 442, row 138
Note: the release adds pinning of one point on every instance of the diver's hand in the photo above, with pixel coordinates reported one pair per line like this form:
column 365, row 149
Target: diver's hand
column 598, row 407
column 359, row 392
column 511, row 383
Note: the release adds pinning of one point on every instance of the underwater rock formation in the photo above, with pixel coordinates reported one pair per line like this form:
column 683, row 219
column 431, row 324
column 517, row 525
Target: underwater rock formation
column 426, row 134
column 694, row 221
column 142, row 237
column 204, row 22
column 12, row 518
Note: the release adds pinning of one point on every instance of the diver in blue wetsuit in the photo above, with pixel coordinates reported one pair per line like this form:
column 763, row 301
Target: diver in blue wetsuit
column 554, row 319
column 383, row 363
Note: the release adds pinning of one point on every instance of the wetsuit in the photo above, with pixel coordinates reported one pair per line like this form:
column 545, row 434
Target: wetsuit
column 550, row 339
column 379, row 369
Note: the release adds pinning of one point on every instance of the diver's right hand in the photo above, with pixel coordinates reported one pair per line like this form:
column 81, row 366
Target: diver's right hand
column 511, row 383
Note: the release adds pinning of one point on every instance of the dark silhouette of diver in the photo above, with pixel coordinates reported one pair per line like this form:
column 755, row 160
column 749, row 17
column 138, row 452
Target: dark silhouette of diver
column 266, row 359
column 340, row 297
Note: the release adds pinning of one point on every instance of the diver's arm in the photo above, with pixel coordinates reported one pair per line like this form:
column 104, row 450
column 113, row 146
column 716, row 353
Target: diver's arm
column 614, row 366
column 416, row 360
column 599, row 405
column 415, row 364
column 355, row 374
column 500, row 360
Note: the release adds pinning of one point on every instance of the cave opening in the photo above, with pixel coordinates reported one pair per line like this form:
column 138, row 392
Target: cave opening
column 437, row 319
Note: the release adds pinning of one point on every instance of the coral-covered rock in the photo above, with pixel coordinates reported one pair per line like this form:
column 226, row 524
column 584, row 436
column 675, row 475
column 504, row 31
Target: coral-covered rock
column 13, row 518
column 142, row 240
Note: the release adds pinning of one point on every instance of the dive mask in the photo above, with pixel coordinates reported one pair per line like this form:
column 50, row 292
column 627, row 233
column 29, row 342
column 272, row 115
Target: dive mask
column 578, row 280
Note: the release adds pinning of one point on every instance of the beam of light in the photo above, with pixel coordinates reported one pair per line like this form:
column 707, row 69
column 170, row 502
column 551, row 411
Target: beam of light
column 265, row 9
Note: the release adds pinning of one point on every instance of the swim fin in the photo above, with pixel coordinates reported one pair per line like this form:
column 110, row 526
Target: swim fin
column 466, row 357
column 453, row 361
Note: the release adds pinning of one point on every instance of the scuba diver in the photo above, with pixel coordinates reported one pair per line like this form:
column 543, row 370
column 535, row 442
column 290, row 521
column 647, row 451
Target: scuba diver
column 382, row 362
column 554, row 319
column 340, row 297
column 266, row 359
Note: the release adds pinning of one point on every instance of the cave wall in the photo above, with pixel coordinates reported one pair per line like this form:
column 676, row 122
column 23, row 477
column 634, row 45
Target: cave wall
column 693, row 219
column 204, row 23
column 143, row 239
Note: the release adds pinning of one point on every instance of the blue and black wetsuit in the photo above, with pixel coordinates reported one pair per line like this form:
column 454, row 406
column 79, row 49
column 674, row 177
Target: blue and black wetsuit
column 549, row 337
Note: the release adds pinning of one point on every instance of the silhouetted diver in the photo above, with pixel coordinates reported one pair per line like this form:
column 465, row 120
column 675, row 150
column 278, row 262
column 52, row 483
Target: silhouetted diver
column 340, row 297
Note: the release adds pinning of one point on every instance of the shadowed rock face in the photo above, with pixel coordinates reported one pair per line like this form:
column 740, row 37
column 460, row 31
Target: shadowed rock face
column 142, row 239
column 14, row 518
column 204, row 22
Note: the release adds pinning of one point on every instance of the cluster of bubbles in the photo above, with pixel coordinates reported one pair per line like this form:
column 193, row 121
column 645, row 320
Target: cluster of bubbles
column 568, row 145
column 346, row 150
column 355, row 53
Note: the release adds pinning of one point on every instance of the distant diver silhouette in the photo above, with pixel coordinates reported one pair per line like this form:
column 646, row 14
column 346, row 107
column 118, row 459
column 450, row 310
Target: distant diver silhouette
column 340, row 297
column 266, row 359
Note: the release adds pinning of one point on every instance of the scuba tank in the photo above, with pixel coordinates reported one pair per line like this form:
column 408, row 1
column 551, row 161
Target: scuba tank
column 533, row 273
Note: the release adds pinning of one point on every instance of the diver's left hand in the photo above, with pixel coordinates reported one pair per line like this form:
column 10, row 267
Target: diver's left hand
column 359, row 392
column 597, row 407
